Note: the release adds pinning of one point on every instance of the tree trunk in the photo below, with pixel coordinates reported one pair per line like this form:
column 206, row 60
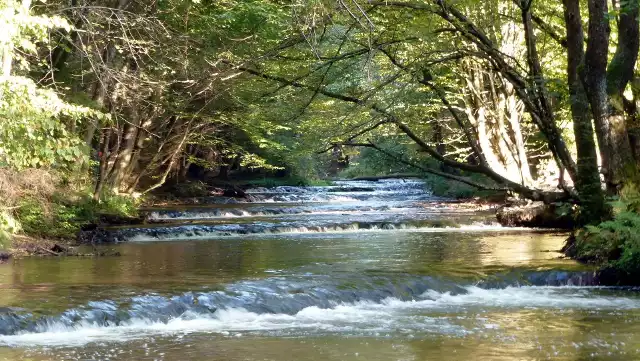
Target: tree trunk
column 173, row 158
column 514, row 115
column 99, row 94
column 141, row 138
column 619, row 74
column 633, row 120
column 477, row 115
column 438, row 139
column 102, row 169
column 588, row 181
column 489, row 120
column 126, row 152
column 595, row 81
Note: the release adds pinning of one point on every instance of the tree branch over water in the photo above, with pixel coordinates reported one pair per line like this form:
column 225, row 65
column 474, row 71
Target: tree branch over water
column 533, row 194
column 428, row 170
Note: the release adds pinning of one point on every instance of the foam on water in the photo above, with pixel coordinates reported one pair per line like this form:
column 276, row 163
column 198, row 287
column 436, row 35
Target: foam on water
column 302, row 304
column 204, row 214
column 348, row 206
column 211, row 232
column 425, row 314
column 345, row 191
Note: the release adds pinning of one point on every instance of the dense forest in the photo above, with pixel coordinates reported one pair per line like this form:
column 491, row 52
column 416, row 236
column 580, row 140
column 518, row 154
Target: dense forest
column 106, row 101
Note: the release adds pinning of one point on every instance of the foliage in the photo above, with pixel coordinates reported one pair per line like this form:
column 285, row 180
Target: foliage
column 52, row 204
column 109, row 204
column 62, row 218
column 190, row 189
column 32, row 133
column 366, row 162
column 8, row 227
column 613, row 244
column 450, row 189
column 24, row 31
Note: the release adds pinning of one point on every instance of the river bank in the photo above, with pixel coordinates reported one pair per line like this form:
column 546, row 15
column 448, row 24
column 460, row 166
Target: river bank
column 105, row 228
column 202, row 211
column 370, row 263
column 277, row 209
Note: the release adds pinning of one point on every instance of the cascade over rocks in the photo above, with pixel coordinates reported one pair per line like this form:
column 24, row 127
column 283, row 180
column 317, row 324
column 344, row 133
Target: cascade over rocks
column 272, row 296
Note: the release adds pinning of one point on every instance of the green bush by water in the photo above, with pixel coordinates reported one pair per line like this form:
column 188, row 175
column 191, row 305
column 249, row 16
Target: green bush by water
column 614, row 244
column 8, row 226
column 63, row 218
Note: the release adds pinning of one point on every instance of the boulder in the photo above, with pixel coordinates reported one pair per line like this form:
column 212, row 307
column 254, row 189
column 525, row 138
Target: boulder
column 535, row 215
column 234, row 192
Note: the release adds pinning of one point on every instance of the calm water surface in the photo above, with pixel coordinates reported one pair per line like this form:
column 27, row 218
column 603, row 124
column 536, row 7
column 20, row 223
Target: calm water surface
column 371, row 273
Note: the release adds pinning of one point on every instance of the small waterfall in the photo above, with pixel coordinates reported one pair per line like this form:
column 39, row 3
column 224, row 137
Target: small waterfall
column 347, row 206
column 278, row 302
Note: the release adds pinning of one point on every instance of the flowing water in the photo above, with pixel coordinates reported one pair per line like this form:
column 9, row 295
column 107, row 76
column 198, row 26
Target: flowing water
column 357, row 271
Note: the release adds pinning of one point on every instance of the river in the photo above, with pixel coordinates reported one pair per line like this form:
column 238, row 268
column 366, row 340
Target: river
column 357, row 271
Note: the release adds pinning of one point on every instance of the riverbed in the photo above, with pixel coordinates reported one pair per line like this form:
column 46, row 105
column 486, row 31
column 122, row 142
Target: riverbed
column 357, row 271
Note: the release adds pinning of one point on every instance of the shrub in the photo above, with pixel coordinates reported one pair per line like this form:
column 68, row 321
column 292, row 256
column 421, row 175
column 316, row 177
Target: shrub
column 8, row 227
column 190, row 189
column 442, row 187
column 614, row 244
column 63, row 218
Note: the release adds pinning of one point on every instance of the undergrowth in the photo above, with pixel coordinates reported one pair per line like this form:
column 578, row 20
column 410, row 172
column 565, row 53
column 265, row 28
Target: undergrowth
column 42, row 204
column 614, row 244
column 63, row 217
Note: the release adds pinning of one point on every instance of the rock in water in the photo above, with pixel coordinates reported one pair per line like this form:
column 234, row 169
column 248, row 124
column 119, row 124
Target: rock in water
column 535, row 215
column 4, row 256
column 234, row 193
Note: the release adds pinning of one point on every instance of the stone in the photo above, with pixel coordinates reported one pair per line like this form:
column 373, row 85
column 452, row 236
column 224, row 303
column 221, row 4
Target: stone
column 534, row 215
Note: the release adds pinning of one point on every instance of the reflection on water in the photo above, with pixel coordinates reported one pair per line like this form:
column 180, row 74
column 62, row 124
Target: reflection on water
column 381, row 295
column 167, row 266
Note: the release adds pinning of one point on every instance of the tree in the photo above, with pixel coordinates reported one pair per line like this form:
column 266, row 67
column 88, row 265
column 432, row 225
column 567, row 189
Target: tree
column 402, row 51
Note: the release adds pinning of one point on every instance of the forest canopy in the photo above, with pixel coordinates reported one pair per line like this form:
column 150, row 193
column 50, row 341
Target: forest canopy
column 535, row 97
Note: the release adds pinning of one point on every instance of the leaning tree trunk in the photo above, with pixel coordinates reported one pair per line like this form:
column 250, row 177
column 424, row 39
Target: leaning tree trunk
column 492, row 124
column 507, row 115
column 99, row 93
column 476, row 112
column 514, row 115
column 175, row 155
column 541, row 103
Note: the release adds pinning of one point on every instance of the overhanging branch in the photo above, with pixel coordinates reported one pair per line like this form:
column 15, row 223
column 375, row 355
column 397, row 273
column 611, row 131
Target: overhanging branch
column 532, row 194
column 425, row 169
